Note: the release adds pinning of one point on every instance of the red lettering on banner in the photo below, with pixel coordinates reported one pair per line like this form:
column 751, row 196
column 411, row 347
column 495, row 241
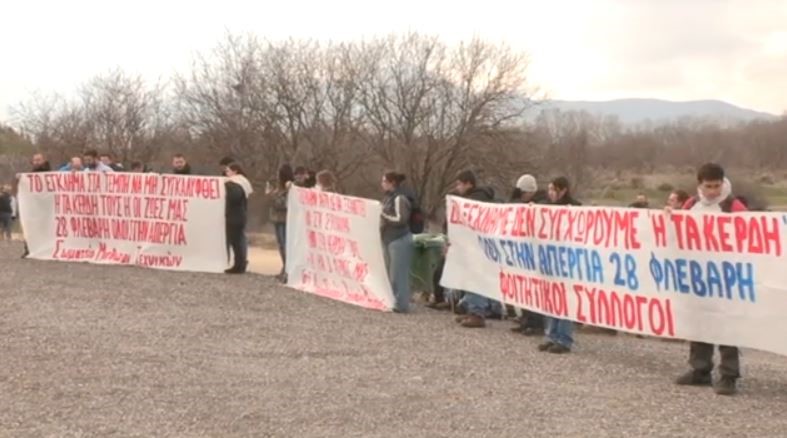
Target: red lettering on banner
column 333, row 202
column 484, row 218
column 62, row 252
column 659, row 227
column 324, row 286
column 632, row 312
column 728, row 233
column 105, row 253
column 535, row 293
column 167, row 260
column 524, row 222
column 35, row 182
column 190, row 187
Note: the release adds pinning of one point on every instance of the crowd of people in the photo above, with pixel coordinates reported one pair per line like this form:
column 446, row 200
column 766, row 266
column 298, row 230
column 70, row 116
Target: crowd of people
column 401, row 218
column 714, row 194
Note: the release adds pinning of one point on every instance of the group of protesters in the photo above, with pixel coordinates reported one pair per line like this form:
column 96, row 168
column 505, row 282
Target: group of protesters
column 400, row 211
column 714, row 194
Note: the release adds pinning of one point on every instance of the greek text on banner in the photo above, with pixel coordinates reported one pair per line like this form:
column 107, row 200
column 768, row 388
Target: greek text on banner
column 334, row 248
column 157, row 221
column 716, row 278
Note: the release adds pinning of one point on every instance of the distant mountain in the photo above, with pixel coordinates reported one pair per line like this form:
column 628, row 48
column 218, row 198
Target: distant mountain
column 632, row 111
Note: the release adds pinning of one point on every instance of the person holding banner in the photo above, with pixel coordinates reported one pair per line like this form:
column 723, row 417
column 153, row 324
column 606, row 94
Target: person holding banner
column 714, row 194
column 238, row 189
column 326, row 181
column 278, row 213
column 7, row 212
column 559, row 332
column 531, row 323
column 39, row 164
column 397, row 238
column 478, row 307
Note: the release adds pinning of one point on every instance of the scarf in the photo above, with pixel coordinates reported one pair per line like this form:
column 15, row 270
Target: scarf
column 243, row 182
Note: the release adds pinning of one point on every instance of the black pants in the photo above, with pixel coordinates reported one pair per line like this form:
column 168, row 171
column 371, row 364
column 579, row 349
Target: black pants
column 236, row 240
column 532, row 320
column 701, row 359
column 438, row 291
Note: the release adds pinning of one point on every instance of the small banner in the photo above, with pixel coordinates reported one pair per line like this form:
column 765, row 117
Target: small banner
column 334, row 248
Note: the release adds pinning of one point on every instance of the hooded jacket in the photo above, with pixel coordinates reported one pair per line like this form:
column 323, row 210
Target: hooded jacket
column 238, row 189
column 726, row 202
column 395, row 222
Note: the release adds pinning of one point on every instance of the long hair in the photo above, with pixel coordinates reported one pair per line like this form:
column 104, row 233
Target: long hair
column 394, row 178
column 286, row 175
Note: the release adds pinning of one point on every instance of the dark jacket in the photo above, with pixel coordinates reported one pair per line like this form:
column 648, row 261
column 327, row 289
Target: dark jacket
column 567, row 200
column 639, row 205
column 278, row 206
column 185, row 171
column 395, row 221
column 481, row 194
column 46, row 167
column 235, row 212
column 539, row 198
column 6, row 204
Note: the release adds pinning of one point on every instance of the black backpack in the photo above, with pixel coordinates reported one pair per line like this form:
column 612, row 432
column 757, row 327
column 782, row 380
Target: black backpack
column 417, row 218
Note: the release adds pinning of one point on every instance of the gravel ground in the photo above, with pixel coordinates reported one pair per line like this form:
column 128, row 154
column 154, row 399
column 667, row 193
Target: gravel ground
column 107, row 351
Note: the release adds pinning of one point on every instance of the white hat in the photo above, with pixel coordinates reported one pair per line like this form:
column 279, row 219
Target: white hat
column 527, row 184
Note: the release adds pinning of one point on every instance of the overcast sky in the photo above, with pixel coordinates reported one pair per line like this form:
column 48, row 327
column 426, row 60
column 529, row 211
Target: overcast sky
column 733, row 50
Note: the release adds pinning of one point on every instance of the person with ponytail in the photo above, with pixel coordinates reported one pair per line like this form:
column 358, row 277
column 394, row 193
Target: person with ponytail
column 238, row 189
column 397, row 238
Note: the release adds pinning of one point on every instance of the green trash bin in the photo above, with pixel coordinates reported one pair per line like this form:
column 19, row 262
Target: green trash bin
column 428, row 251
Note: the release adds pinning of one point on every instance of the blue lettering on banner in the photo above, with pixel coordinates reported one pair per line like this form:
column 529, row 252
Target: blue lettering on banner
column 518, row 254
column 704, row 279
column 553, row 260
column 625, row 271
column 572, row 263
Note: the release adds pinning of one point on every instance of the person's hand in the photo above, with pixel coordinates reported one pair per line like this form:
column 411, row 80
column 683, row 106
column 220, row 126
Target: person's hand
column 668, row 209
column 18, row 176
column 445, row 249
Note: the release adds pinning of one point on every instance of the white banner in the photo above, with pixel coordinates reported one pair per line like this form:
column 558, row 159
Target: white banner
column 716, row 278
column 334, row 248
column 156, row 221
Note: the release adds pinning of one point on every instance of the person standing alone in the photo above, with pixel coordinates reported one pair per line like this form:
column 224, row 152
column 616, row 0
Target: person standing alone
column 397, row 238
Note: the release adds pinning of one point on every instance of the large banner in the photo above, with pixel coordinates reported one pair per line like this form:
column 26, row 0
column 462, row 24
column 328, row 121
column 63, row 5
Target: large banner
column 716, row 278
column 334, row 248
column 155, row 221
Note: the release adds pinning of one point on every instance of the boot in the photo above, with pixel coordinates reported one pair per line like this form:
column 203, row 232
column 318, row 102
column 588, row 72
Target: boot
column 235, row 270
column 725, row 386
column 545, row 346
column 559, row 349
column 694, row 378
column 473, row 321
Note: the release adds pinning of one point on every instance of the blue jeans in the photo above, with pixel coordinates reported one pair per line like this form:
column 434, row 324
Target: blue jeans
column 398, row 261
column 560, row 331
column 481, row 306
column 281, row 240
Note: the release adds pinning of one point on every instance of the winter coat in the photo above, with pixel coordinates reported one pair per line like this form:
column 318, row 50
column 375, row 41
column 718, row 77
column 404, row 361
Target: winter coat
column 395, row 222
